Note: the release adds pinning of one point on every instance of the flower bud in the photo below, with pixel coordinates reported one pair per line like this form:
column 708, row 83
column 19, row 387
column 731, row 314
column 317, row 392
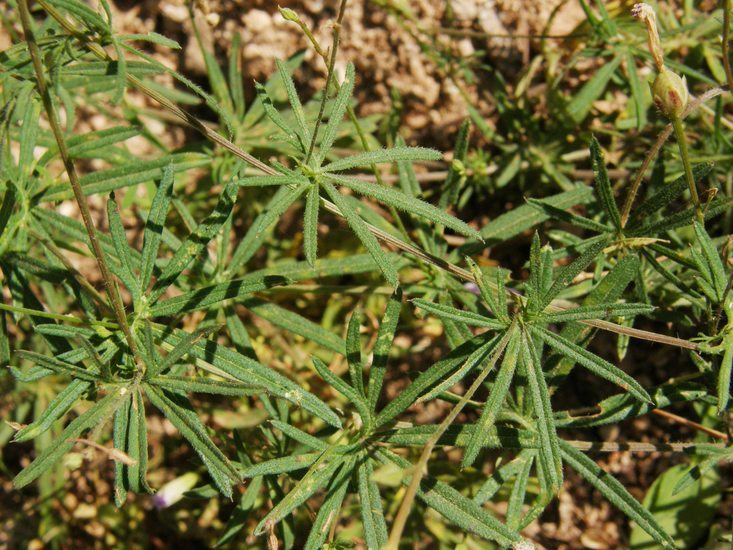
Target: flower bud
column 670, row 94
column 289, row 15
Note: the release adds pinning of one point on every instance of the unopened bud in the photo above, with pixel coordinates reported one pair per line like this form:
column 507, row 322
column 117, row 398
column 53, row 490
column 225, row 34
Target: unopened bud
column 670, row 94
column 458, row 167
column 289, row 15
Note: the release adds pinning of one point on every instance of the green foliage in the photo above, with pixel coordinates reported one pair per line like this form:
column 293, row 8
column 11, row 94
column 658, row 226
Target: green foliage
column 207, row 310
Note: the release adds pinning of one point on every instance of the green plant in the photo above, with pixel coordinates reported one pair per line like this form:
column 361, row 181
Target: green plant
column 167, row 336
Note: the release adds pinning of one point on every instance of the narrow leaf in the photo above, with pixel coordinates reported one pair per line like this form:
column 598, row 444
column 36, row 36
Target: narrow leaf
column 399, row 200
column 98, row 414
column 603, row 183
column 178, row 410
column 154, row 227
column 615, row 492
column 363, row 233
column 593, row 363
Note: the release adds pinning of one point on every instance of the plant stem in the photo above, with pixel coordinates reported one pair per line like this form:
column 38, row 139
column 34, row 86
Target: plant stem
column 679, row 131
column 400, row 520
column 55, row 316
column 329, row 77
column 726, row 45
column 663, row 136
column 359, row 131
column 110, row 284
column 694, row 425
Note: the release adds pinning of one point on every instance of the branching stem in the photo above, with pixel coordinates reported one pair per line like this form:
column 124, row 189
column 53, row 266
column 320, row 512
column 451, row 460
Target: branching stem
column 329, row 77
column 110, row 283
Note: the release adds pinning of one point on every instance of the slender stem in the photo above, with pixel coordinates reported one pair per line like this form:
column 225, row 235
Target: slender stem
column 329, row 77
column 655, row 148
column 398, row 526
column 694, row 425
column 55, row 316
column 358, row 127
column 679, row 131
column 53, row 119
column 726, row 45
column 83, row 281
column 633, row 446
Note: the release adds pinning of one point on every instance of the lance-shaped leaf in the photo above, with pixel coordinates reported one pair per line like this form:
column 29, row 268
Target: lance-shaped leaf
column 497, row 395
column 467, row 317
column 709, row 264
column 203, row 298
column 57, row 408
column 353, row 353
column 328, row 511
column 258, row 231
column 312, row 482
column 385, row 337
column 603, row 184
column 406, row 203
column 458, row 509
column 343, row 388
column 302, row 127
column 448, row 382
column 592, row 362
column 104, row 181
column 458, row 435
column 154, row 227
column 520, row 219
column 549, row 452
column 195, row 243
column 568, row 217
column 119, row 438
column 338, row 110
column 203, row 385
column 724, row 374
column 372, row 514
column 503, row 474
column 178, row 410
column 451, row 186
column 615, row 492
column 362, row 232
column 624, row 406
column 57, row 366
column 300, row 436
column 583, row 100
column 470, row 353
column 667, row 193
column 281, row 465
column 291, row 136
column 680, row 219
column 393, row 154
column 567, row 273
column 601, row 311
column 245, row 369
column 295, row 323
column 496, row 303
column 96, row 415
column 310, row 225
column 607, row 291
column 181, row 349
column 518, row 495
